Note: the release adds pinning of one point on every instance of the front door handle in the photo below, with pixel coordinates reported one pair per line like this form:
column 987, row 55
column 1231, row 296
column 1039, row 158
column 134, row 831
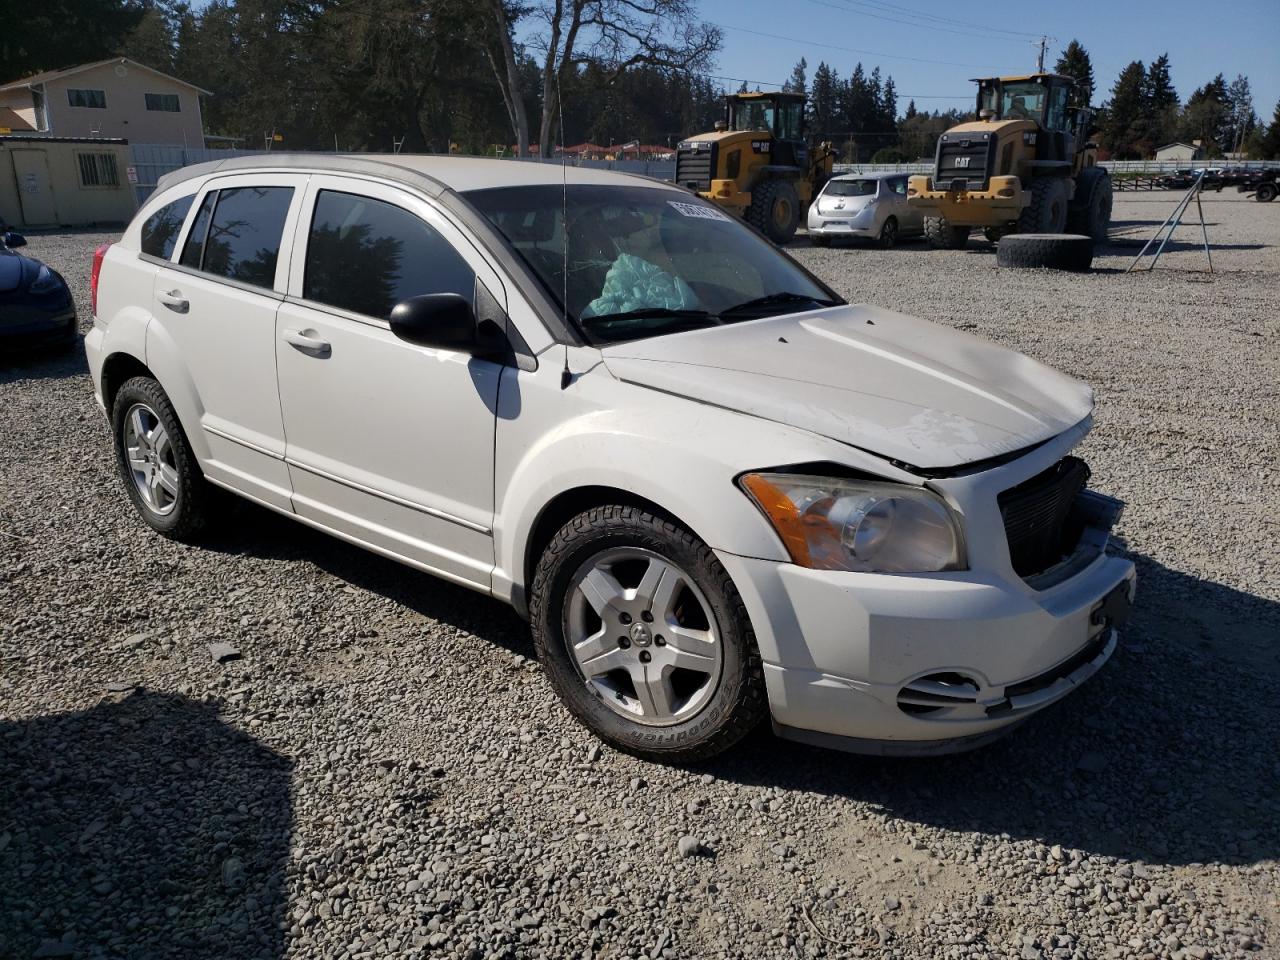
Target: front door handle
column 174, row 300
column 307, row 343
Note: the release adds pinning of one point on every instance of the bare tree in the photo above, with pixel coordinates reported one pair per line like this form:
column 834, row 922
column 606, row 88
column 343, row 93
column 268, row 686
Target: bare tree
column 614, row 34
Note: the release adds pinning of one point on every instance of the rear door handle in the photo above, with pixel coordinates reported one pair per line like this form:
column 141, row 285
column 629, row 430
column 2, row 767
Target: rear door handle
column 174, row 300
column 304, row 341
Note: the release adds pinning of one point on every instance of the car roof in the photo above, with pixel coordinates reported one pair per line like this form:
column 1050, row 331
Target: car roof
column 433, row 174
column 880, row 175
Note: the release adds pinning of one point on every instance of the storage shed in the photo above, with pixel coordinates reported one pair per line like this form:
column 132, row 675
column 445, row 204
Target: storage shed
column 64, row 182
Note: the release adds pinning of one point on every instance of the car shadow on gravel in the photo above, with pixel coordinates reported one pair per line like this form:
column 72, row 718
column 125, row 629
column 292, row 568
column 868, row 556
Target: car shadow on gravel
column 1168, row 755
column 255, row 531
column 141, row 827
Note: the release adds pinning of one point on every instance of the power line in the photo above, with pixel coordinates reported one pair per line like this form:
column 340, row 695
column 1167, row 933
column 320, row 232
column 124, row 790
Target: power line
column 832, row 46
column 909, row 23
column 895, row 8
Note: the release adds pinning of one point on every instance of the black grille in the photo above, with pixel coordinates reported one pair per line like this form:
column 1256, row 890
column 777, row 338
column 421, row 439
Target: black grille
column 694, row 167
column 1038, row 516
column 964, row 156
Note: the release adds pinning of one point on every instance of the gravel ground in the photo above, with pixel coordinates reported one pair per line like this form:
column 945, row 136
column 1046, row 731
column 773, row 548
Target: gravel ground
column 384, row 772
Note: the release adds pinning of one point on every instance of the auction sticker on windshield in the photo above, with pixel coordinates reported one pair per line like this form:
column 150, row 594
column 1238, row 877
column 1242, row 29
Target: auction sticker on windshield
column 699, row 211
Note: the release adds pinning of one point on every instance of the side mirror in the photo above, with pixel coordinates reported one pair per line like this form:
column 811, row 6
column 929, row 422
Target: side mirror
column 443, row 321
column 12, row 239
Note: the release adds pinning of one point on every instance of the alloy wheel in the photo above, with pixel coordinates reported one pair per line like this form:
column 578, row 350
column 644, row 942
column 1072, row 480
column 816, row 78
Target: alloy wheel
column 642, row 636
column 150, row 454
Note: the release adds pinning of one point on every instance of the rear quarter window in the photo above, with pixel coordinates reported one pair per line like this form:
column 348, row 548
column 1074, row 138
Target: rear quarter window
column 160, row 231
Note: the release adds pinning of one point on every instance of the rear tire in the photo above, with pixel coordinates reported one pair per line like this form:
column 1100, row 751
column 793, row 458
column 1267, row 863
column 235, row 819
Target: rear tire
column 1265, row 193
column 1090, row 211
column 941, row 235
column 1053, row 251
column 590, row 583
column 775, row 210
column 156, row 463
column 888, row 234
column 1047, row 212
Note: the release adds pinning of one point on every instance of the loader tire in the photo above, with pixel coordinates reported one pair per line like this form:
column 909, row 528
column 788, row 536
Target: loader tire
column 775, row 210
column 1090, row 211
column 941, row 235
column 1051, row 251
column 1047, row 212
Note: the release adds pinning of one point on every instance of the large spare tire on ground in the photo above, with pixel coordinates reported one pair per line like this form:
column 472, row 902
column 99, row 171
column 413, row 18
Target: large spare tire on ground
column 1055, row 251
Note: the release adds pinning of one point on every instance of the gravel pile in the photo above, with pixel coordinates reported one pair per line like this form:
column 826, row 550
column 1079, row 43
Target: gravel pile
column 279, row 745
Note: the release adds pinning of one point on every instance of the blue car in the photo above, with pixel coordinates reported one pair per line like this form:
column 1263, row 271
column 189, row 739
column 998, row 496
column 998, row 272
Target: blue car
column 36, row 307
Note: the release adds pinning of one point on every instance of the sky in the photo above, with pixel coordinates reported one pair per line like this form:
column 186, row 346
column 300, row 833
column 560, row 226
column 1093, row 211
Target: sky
column 934, row 55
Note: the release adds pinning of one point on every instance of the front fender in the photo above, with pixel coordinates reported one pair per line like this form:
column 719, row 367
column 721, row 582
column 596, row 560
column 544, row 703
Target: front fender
column 677, row 453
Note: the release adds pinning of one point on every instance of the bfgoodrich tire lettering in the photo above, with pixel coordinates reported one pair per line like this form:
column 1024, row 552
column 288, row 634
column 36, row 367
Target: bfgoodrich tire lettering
column 738, row 701
column 182, row 510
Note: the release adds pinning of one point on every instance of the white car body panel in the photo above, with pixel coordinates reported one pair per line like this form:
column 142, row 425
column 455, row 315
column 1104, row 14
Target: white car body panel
column 881, row 381
column 403, row 459
column 447, row 463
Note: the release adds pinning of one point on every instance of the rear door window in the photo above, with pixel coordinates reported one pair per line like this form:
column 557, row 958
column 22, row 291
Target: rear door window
column 160, row 232
column 244, row 234
column 193, row 249
column 366, row 255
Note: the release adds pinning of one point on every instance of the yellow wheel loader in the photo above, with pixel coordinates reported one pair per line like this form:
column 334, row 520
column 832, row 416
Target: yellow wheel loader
column 1025, row 165
column 757, row 163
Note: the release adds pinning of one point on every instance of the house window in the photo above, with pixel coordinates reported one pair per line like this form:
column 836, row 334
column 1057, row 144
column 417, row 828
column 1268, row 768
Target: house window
column 165, row 102
column 88, row 98
column 98, row 170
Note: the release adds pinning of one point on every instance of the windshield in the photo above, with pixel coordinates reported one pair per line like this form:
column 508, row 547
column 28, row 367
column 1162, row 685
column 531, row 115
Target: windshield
column 1023, row 100
column 752, row 115
column 851, row 188
column 644, row 261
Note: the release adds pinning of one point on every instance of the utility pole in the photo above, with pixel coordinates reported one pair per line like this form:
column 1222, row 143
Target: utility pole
column 1043, row 43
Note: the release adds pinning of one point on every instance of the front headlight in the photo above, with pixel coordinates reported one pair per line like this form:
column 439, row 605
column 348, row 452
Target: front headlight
column 833, row 524
column 46, row 281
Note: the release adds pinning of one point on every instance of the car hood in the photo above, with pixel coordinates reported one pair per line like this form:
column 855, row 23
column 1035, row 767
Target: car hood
column 905, row 389
column 16, row 271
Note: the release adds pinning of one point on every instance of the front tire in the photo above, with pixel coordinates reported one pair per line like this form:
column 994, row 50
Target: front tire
column 775, row 210
column 156, row 463
column 941, row 235
column 1047, row 212
column 644, row 636
column 1090, row 212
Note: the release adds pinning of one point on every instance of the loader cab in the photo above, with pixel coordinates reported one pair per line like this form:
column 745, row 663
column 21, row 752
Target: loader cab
column 1040, row 97
column 779, row 114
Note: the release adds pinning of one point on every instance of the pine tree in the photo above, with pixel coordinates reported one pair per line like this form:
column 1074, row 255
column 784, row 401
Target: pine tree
column 911, row 110
column 797, row 82
column 1123, row 125
column 825, row 101
column 1075, row 63
column 1160, row 110
column 1207, row 117
column 1270, row 144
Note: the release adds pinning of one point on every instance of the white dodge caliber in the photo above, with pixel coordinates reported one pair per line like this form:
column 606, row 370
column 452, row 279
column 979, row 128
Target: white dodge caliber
column 716, row 490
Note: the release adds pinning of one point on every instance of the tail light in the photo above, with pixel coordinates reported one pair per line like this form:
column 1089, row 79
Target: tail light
column 98, row 256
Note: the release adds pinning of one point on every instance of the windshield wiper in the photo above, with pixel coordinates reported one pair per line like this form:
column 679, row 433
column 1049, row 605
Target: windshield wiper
column 751, row 306
column 652, row 313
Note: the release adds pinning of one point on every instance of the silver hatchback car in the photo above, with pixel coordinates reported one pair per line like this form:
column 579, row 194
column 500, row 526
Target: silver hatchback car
column 864, row 206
